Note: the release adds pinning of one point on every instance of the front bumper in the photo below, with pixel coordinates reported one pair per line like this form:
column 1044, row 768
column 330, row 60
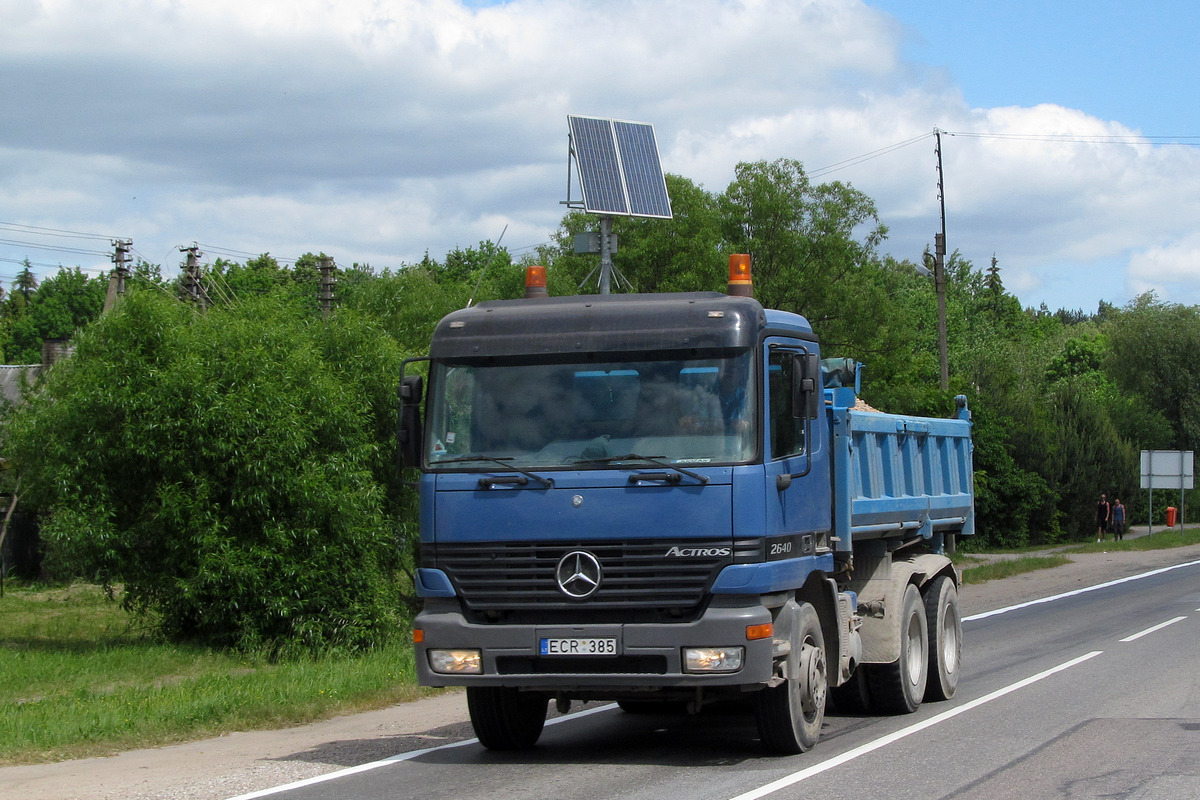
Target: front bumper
column 649, row 655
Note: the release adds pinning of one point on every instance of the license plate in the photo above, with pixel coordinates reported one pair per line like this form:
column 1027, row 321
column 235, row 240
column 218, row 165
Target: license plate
column 579, row 647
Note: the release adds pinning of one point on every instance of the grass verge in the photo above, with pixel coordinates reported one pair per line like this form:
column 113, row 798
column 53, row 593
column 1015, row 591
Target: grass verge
column 1164, row 539
column 977, row 571
column 80, row 680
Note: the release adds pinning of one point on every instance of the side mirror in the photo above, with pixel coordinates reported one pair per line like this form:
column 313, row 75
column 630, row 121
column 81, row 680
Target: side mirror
column 408, row 437
column 807, row 388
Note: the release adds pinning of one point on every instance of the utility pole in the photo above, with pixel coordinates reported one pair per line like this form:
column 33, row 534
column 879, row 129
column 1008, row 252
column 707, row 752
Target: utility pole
column 939, row 270
column 327, row 283
column 116, row 281
column 192, row 288
column 606, row 265
column 123, row 246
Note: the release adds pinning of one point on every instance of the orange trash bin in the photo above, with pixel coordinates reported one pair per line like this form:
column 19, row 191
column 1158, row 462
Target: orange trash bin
column 1170, row 516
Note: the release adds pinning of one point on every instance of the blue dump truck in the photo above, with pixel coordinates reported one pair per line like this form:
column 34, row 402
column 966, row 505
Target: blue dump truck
column 670, row 501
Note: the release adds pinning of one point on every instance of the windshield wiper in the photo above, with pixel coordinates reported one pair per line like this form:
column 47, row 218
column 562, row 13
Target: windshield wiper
column 488, row 483
column 660, row 461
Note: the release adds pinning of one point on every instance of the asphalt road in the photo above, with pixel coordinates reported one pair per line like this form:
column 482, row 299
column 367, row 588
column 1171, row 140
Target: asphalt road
column 1093, row 694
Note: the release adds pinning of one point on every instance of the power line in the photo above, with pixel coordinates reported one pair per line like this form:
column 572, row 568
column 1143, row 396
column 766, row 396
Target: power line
column 48, row 245
column 44, row 265
column 1076, row 138
column 73, row 250
column 61, row 233
column 1162, row 141
column 16, row 226
column 225, row 251
column 883, row 151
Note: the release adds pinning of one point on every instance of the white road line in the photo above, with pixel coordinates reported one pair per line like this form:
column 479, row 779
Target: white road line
column 1084, row 590
column 869, row 747
column 1157, row 627
column 341, row 773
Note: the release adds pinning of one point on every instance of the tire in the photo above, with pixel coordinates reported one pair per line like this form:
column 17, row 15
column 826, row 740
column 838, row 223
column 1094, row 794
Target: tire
column 899, row 687
column 505, row 718
column 790, row 715
column 945, row 638
column 853, row 696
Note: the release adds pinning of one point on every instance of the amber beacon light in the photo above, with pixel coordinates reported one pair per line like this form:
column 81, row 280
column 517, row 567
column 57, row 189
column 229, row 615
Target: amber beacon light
column 740, row 284
column 535, row 282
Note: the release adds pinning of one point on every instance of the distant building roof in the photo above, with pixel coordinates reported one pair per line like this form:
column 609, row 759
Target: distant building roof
column 11, row 377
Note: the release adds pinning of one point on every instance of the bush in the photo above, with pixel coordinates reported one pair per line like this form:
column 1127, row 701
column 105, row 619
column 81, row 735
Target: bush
column 227, row 468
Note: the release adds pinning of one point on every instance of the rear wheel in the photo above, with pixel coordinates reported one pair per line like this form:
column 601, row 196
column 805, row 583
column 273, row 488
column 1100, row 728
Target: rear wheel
column 790, row 715
column 853, row 696
column 945, row 638
column 505, row 718
column 899, row 687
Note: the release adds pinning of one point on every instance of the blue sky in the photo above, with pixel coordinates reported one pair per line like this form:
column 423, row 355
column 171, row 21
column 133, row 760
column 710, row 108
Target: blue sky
column 379, row 130
column 1133, row 62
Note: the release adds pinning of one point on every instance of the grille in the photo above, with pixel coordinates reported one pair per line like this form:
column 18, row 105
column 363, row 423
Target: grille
column 515, row 581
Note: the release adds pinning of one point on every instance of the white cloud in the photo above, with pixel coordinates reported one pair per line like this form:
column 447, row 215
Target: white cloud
column 377, row 130
column 1171, row 270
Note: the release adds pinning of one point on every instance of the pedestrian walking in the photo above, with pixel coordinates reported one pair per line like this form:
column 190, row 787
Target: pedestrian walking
column 1103, row 513
column 1118, row 520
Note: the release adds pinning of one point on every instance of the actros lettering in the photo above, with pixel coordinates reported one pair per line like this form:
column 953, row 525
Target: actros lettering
column 697, row 552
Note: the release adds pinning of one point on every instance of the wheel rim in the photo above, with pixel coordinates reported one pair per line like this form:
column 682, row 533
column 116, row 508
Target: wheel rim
column 915, row 650
column 816, row 686
column 950, row 640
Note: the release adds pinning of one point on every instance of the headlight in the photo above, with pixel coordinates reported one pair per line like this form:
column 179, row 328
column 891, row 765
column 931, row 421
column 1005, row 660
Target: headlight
column 712, row 659
column 456, row 662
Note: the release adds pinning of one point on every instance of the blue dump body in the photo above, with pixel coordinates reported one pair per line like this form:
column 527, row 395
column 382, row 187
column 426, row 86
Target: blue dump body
column 896, row 474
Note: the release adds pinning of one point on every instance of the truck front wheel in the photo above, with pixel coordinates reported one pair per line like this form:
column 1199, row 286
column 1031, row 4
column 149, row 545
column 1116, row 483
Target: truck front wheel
column 899, row 687
column 505, row 718
column 790, row 715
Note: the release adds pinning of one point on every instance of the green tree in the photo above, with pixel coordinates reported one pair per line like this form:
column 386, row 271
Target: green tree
column 258, row 276
column 1155, row 353
column 803, row 237
column 814, row 250
column 225, row 468
column 1091, row 459
column 61, row 305
column 26, row 283
column 684, row 253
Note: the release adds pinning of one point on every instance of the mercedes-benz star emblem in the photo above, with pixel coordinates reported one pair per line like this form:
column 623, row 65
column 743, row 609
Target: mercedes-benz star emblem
column 578, row 574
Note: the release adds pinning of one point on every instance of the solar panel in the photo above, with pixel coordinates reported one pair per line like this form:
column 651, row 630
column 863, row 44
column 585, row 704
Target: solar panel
column 619, row 169
column 644, row 181
column 599, row 165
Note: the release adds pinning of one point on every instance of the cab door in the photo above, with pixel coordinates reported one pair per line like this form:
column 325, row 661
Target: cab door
column 795, row 452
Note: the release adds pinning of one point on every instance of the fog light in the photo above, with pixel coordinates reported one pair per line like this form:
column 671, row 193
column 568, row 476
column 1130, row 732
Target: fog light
column 456, row 662
column 712, row 659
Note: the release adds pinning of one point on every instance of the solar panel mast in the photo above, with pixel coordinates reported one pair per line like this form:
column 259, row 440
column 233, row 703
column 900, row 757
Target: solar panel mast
column 619, row 175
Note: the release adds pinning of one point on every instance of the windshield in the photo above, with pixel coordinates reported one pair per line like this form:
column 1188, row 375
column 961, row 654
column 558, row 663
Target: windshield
column 682, row 411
